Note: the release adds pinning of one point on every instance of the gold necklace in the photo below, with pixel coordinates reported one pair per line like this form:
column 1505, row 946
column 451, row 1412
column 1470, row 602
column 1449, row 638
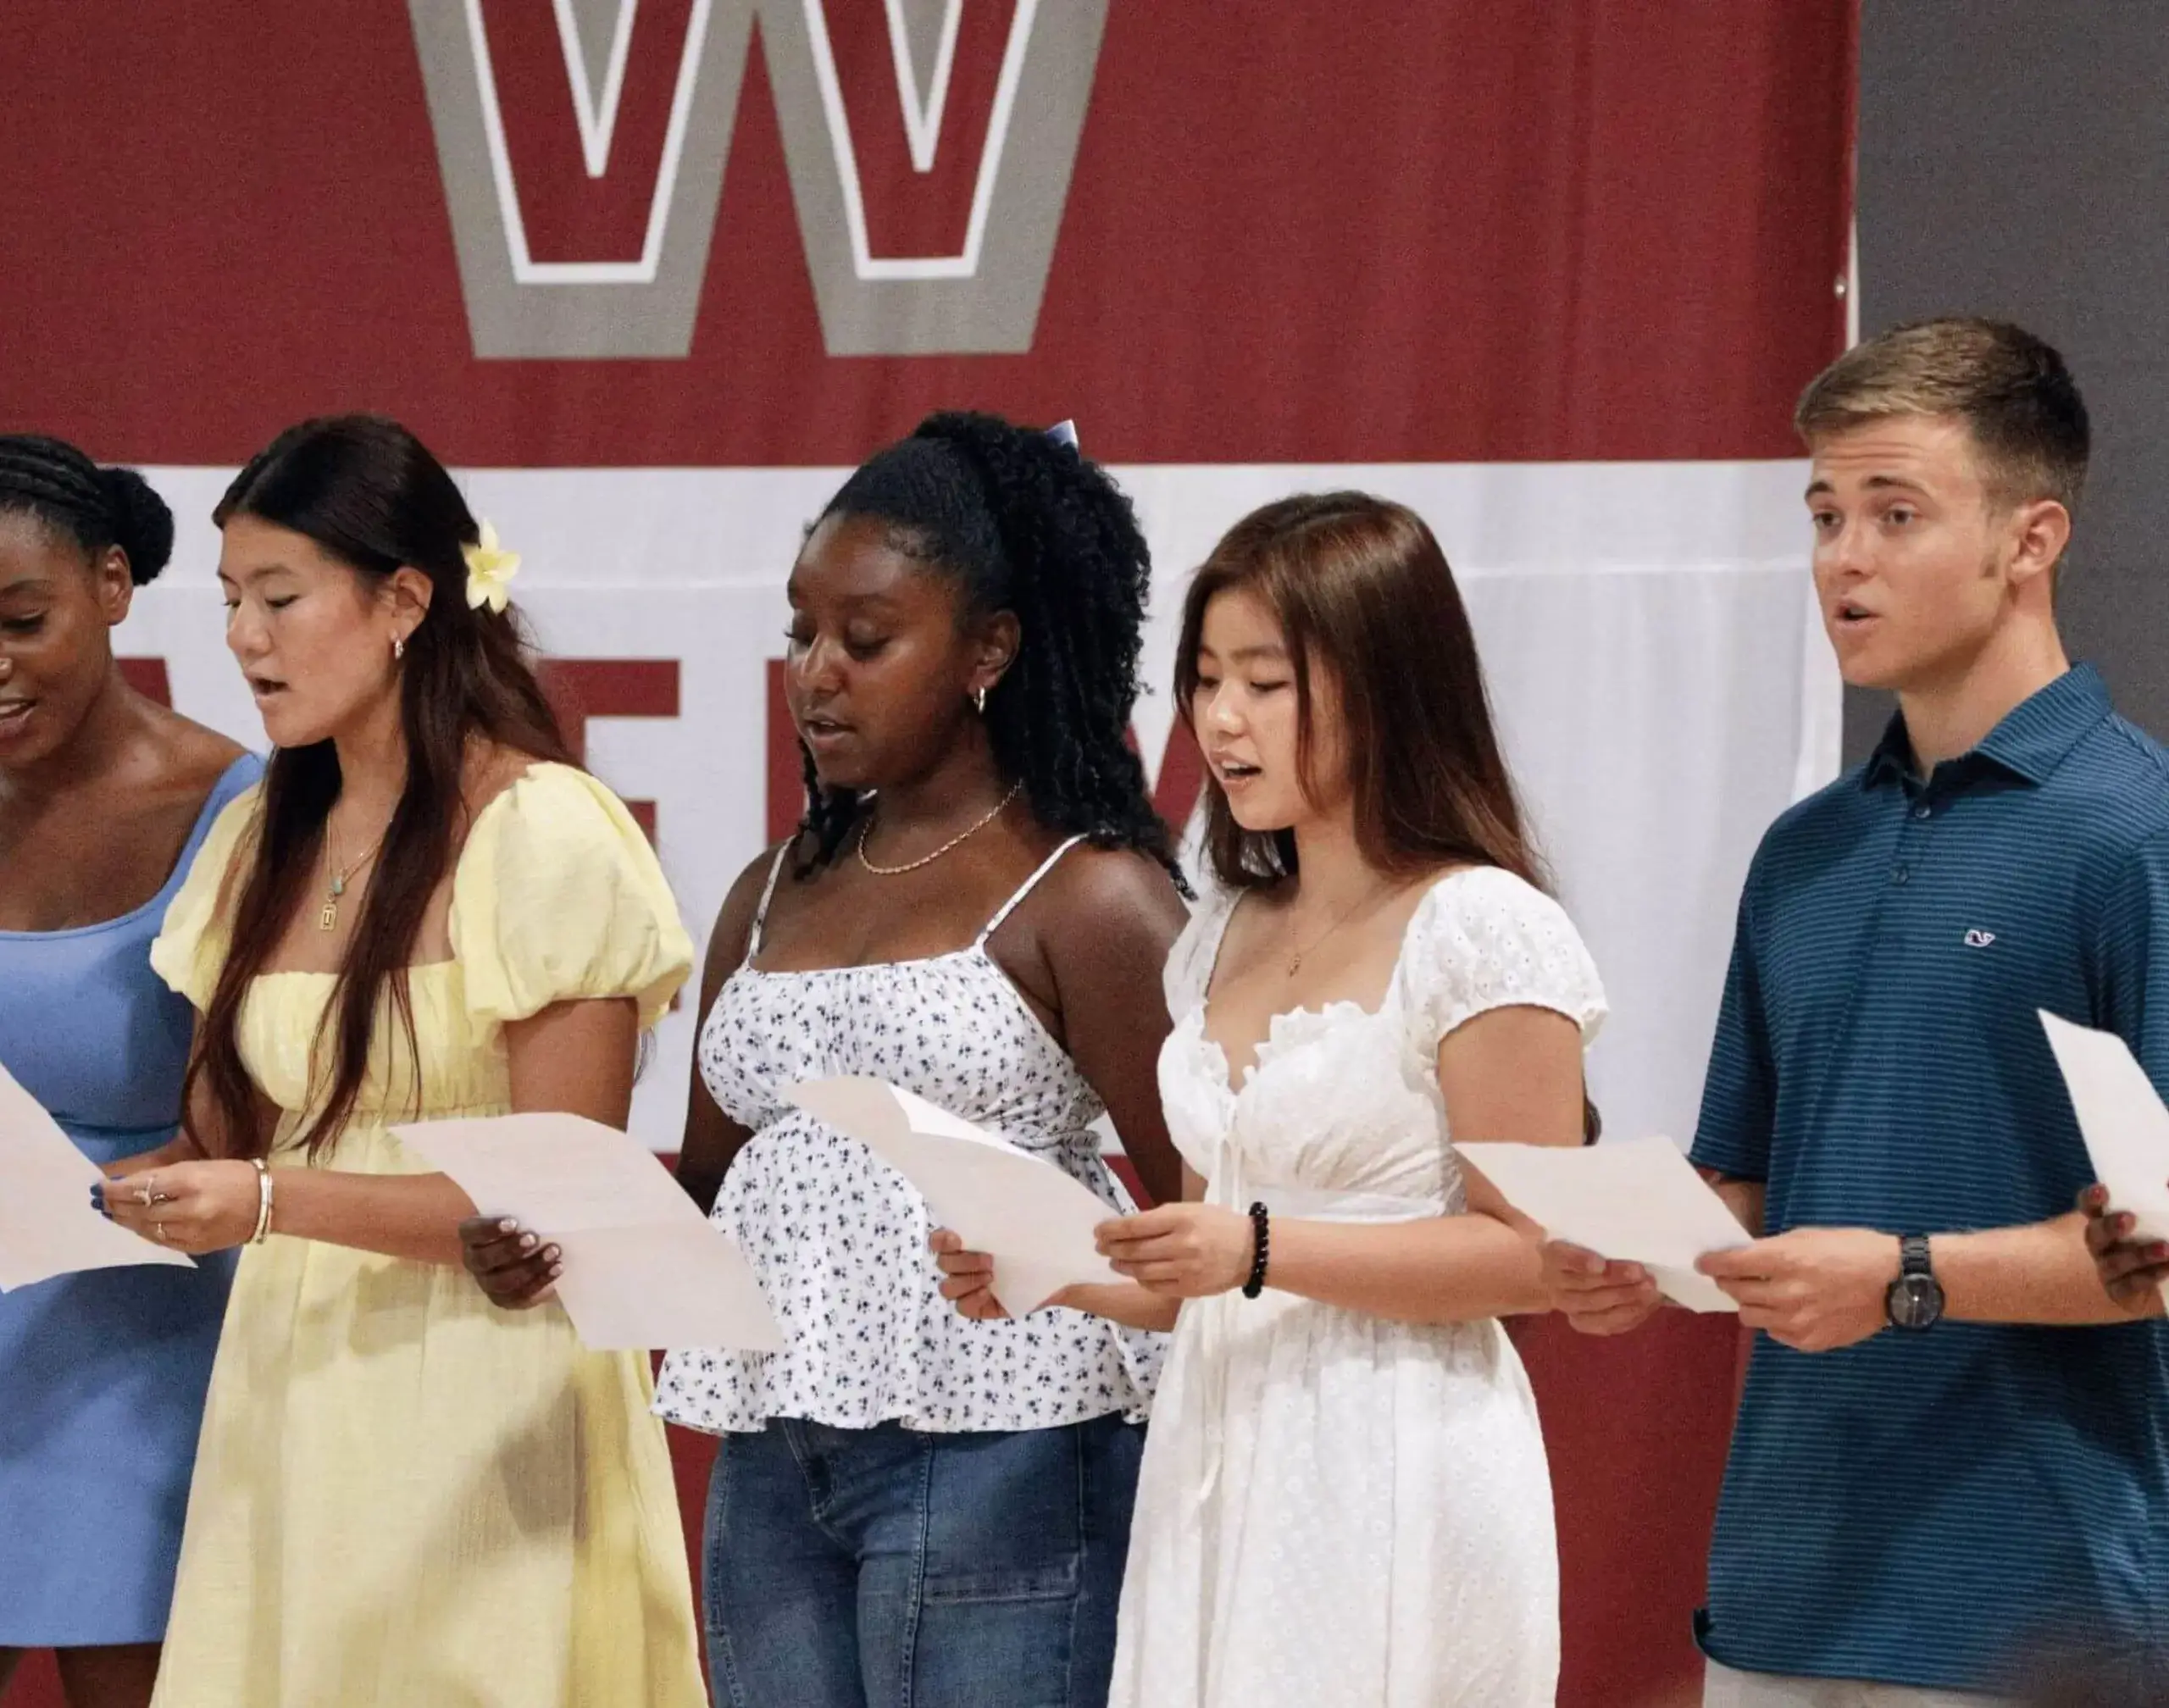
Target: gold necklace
column 865, row 829
column 1296, row 960
column 328, row 918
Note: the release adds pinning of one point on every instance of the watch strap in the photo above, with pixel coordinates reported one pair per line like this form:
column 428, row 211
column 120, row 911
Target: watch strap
column 1915, row 1299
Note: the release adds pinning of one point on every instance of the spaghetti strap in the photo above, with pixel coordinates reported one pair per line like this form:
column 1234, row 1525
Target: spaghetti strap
column 761, row 912
column 1030, row 884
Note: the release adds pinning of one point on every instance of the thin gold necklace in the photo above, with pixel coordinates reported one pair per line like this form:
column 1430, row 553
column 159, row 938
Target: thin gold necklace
column 338, row 878
column 866, row 829
column 1296, row 960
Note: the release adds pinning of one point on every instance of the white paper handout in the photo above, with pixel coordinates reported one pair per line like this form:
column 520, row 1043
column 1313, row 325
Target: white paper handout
column 643, row 1269
column 1033, row 1219
column 47, row 1227
column 1635, row 1201
column 2122, row 1118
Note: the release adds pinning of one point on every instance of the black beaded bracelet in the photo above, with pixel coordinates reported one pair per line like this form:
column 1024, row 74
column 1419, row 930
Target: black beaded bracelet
column 1261, row 1243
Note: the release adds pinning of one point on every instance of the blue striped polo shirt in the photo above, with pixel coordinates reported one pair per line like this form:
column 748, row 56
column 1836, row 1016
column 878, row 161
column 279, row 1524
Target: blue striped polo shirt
column 1924, row 1508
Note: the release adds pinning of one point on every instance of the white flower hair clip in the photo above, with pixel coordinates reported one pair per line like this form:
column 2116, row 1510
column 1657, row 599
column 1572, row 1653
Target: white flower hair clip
column 490, row 570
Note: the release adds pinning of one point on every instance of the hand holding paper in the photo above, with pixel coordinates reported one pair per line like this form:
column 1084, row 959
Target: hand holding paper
column 643, row 1269
column 1033, row 1219
column 1635, row 1201
column 2126, row 1129
column 47, row 1227
column 2122, row 1118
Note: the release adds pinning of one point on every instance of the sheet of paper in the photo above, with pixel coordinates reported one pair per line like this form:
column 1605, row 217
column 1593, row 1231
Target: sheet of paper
column 644, row 1288
column 643, row 1268
column 1033, row 1219
column 47, row 1227
column 2122, row 1118
column 1637, row 1200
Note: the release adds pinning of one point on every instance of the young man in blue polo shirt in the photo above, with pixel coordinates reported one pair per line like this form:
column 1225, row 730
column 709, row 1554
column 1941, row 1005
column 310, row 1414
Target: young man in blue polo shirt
column 1944, row 1461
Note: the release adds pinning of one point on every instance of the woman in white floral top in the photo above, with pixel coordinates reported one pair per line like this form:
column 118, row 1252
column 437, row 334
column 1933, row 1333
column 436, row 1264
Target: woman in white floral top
column 909, row 1506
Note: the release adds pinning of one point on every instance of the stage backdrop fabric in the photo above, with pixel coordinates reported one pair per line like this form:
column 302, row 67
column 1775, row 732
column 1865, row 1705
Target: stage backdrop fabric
column 1970, row 204
column 1643, row 626
column 653, row 275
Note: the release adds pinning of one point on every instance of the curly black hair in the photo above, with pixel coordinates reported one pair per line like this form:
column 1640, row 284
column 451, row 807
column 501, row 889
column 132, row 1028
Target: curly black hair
column 1025, row 524
column 97, row 507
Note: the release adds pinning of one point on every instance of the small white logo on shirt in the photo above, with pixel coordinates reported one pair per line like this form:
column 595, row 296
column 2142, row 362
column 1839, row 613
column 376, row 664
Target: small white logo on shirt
column 1979, row 939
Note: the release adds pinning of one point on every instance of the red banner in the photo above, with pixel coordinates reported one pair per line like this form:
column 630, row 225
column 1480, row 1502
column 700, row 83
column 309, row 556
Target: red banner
column 1364, row 231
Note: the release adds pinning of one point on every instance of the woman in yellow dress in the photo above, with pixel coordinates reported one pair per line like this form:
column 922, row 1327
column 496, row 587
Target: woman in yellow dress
column 404, row 1498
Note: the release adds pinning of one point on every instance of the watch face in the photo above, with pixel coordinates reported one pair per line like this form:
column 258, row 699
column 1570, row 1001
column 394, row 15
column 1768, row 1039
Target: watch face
column 1916, row 1301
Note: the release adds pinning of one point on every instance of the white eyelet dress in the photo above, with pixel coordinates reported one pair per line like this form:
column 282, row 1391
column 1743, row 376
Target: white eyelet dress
column 1336, row 1510
column 838, row 1238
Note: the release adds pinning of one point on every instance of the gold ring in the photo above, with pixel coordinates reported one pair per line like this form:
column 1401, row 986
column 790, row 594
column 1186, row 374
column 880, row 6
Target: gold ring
column 143, row 1196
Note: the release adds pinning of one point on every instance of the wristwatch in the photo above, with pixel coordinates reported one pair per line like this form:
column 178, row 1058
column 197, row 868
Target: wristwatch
column 1916, row 1298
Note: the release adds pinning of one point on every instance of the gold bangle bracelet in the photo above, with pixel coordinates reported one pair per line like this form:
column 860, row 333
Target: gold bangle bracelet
column 262, row 1202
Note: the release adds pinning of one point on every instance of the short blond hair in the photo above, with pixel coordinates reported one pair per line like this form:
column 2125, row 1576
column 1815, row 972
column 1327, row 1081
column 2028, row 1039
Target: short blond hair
column 2010, row 388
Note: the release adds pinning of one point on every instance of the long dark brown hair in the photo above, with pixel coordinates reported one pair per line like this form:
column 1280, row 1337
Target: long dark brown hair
column 368, row 493
column 1365, row 597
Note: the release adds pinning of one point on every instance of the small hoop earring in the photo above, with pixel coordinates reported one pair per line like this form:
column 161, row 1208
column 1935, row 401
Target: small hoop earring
column 978, row 699
column 398, row 647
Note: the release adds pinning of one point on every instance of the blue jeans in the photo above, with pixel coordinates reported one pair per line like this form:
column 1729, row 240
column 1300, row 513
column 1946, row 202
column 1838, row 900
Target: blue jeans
column 890, row 1568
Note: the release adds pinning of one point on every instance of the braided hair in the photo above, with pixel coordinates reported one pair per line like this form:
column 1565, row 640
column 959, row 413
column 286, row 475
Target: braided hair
column 97, row 508
column 1022, row 523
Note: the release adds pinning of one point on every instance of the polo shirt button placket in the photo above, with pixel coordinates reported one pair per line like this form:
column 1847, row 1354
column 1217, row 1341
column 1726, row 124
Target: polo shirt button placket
column 1919, row 812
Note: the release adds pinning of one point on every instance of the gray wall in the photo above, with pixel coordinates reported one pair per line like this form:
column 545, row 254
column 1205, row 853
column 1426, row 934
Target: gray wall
column 2014, row 161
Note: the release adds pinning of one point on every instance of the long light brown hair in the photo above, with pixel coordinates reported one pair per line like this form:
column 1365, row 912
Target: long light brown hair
column 1364, row 598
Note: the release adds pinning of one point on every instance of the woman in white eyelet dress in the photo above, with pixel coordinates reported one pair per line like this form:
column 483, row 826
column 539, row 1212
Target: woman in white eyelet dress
column 1336, row 1508
column 1344, row 1501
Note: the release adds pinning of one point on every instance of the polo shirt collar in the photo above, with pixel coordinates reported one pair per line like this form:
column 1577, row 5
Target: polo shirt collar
column 2030, row 742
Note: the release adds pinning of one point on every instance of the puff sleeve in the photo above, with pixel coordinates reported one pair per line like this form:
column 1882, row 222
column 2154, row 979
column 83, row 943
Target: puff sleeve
column 1485, row 939
column 558, row 898
column 189, row 950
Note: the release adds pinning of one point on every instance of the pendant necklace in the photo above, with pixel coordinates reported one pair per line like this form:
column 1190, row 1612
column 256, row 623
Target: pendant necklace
column 338, row 877
column 1296, row 960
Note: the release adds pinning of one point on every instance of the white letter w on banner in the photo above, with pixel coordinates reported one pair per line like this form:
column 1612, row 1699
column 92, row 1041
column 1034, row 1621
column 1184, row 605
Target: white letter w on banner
column 929, row 146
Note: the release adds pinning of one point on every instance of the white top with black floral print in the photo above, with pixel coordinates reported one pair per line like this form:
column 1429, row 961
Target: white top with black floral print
column 838, row 1238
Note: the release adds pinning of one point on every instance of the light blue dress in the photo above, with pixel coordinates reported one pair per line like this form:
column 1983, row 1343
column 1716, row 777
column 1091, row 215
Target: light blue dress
column 101, row 1376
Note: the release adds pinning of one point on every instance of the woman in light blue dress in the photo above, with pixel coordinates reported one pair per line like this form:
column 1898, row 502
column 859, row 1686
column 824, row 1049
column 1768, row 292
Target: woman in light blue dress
column 103, row 798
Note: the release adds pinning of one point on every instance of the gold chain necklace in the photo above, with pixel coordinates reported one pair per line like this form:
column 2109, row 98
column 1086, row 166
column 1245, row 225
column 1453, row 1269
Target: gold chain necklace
column 866, row 829
column 1296, row 960
column 328, row 918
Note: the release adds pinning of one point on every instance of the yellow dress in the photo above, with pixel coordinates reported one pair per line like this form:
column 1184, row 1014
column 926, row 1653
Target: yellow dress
column 404, row 1497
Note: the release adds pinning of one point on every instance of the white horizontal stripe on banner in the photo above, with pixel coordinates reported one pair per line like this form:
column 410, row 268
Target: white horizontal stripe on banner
column 1657, row 670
